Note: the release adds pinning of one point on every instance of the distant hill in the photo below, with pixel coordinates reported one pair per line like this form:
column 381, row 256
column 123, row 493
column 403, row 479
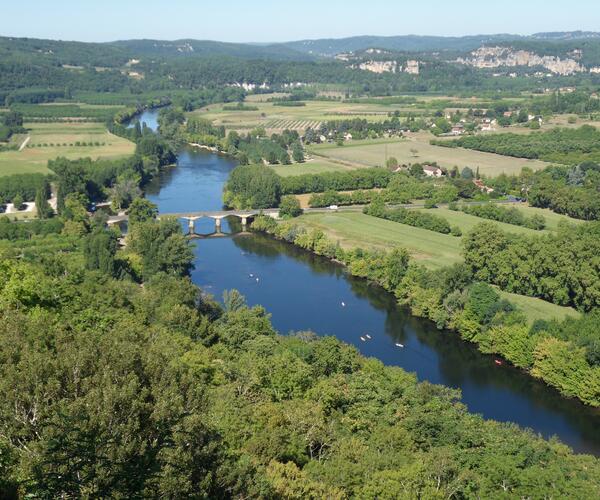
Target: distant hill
column 566, row 35
column 116, row 54
column 189, row 48
column 415, row 43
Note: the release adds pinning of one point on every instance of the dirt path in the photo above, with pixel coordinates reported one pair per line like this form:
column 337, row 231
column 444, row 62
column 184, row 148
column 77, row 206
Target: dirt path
column 25, row 142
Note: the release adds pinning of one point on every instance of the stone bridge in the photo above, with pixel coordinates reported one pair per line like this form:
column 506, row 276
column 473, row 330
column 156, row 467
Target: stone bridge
column 216, row 215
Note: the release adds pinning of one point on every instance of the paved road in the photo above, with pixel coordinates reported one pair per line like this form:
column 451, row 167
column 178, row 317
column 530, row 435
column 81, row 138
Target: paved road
column 272, row 211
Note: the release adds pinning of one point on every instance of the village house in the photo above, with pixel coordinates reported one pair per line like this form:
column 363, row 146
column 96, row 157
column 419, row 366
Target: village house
column 458, row 129
column 431, row 171
column 482, row 187
column 487, row 125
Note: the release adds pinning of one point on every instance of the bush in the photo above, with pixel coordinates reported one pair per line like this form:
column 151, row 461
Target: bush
column 17, row 201
column 456, row 231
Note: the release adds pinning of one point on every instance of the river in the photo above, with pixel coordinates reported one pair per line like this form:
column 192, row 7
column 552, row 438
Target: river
column 305, row 292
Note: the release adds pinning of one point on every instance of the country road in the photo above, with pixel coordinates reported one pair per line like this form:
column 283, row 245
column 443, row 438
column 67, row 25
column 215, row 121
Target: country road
column 25, row 142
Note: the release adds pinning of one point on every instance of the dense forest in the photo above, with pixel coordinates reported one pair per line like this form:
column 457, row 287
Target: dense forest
column 558, row 267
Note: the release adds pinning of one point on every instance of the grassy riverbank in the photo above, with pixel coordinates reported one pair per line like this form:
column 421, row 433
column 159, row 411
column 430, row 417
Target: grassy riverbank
column 433, row 250
column 355, row 229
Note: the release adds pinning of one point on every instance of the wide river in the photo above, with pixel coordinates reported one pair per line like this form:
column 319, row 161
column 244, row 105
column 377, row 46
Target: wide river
column 306, row 292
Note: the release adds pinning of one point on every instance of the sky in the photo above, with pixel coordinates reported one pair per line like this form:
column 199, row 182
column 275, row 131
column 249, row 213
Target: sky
column 276, row 20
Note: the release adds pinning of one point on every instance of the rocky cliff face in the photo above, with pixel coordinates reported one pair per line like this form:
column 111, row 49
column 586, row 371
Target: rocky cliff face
column 495, row 57
column 411, row 67
column 379, row 66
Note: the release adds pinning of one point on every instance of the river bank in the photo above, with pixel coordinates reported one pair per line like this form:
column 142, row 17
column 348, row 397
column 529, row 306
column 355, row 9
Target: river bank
column 303, row 291
column 404, row 280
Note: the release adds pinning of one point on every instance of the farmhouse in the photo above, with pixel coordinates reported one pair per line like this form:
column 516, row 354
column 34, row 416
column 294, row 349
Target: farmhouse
column 431, row 171
column 458, row 129
column 487, row 125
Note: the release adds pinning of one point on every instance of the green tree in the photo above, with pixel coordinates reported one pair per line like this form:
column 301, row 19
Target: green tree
column 124, row 191
column 297, row 153
column 289, row 207
column 467, row 173
column 99, row 251
column 13, row 119
column 141, row 210
column 43, row 208
column 161, row 247
column 17, row 201
column 253, row 186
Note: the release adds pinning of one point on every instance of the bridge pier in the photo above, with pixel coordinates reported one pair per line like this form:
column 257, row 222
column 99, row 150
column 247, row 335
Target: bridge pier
column 218, row 224
column 244, row 221
column 191, row 226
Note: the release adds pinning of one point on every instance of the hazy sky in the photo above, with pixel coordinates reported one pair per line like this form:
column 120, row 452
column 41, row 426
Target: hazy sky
column 276, row 20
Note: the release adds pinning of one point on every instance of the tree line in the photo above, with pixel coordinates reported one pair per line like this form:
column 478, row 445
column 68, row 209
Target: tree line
column 415, row 218
column 559, row 145
column 511, row 215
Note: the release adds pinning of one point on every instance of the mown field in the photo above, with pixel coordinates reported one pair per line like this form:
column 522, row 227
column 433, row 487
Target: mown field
column 536, row 309
column 434, row 250
column 416, row 149
column 60, row 139
column 355, row 229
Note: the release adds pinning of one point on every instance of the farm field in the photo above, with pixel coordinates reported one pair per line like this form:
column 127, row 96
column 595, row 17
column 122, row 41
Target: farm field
column 34, row 159
column 316, row 166
column 278, row 118
column 416, row 149
column 536, row 309
column 355, row 229
column 466, row 222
